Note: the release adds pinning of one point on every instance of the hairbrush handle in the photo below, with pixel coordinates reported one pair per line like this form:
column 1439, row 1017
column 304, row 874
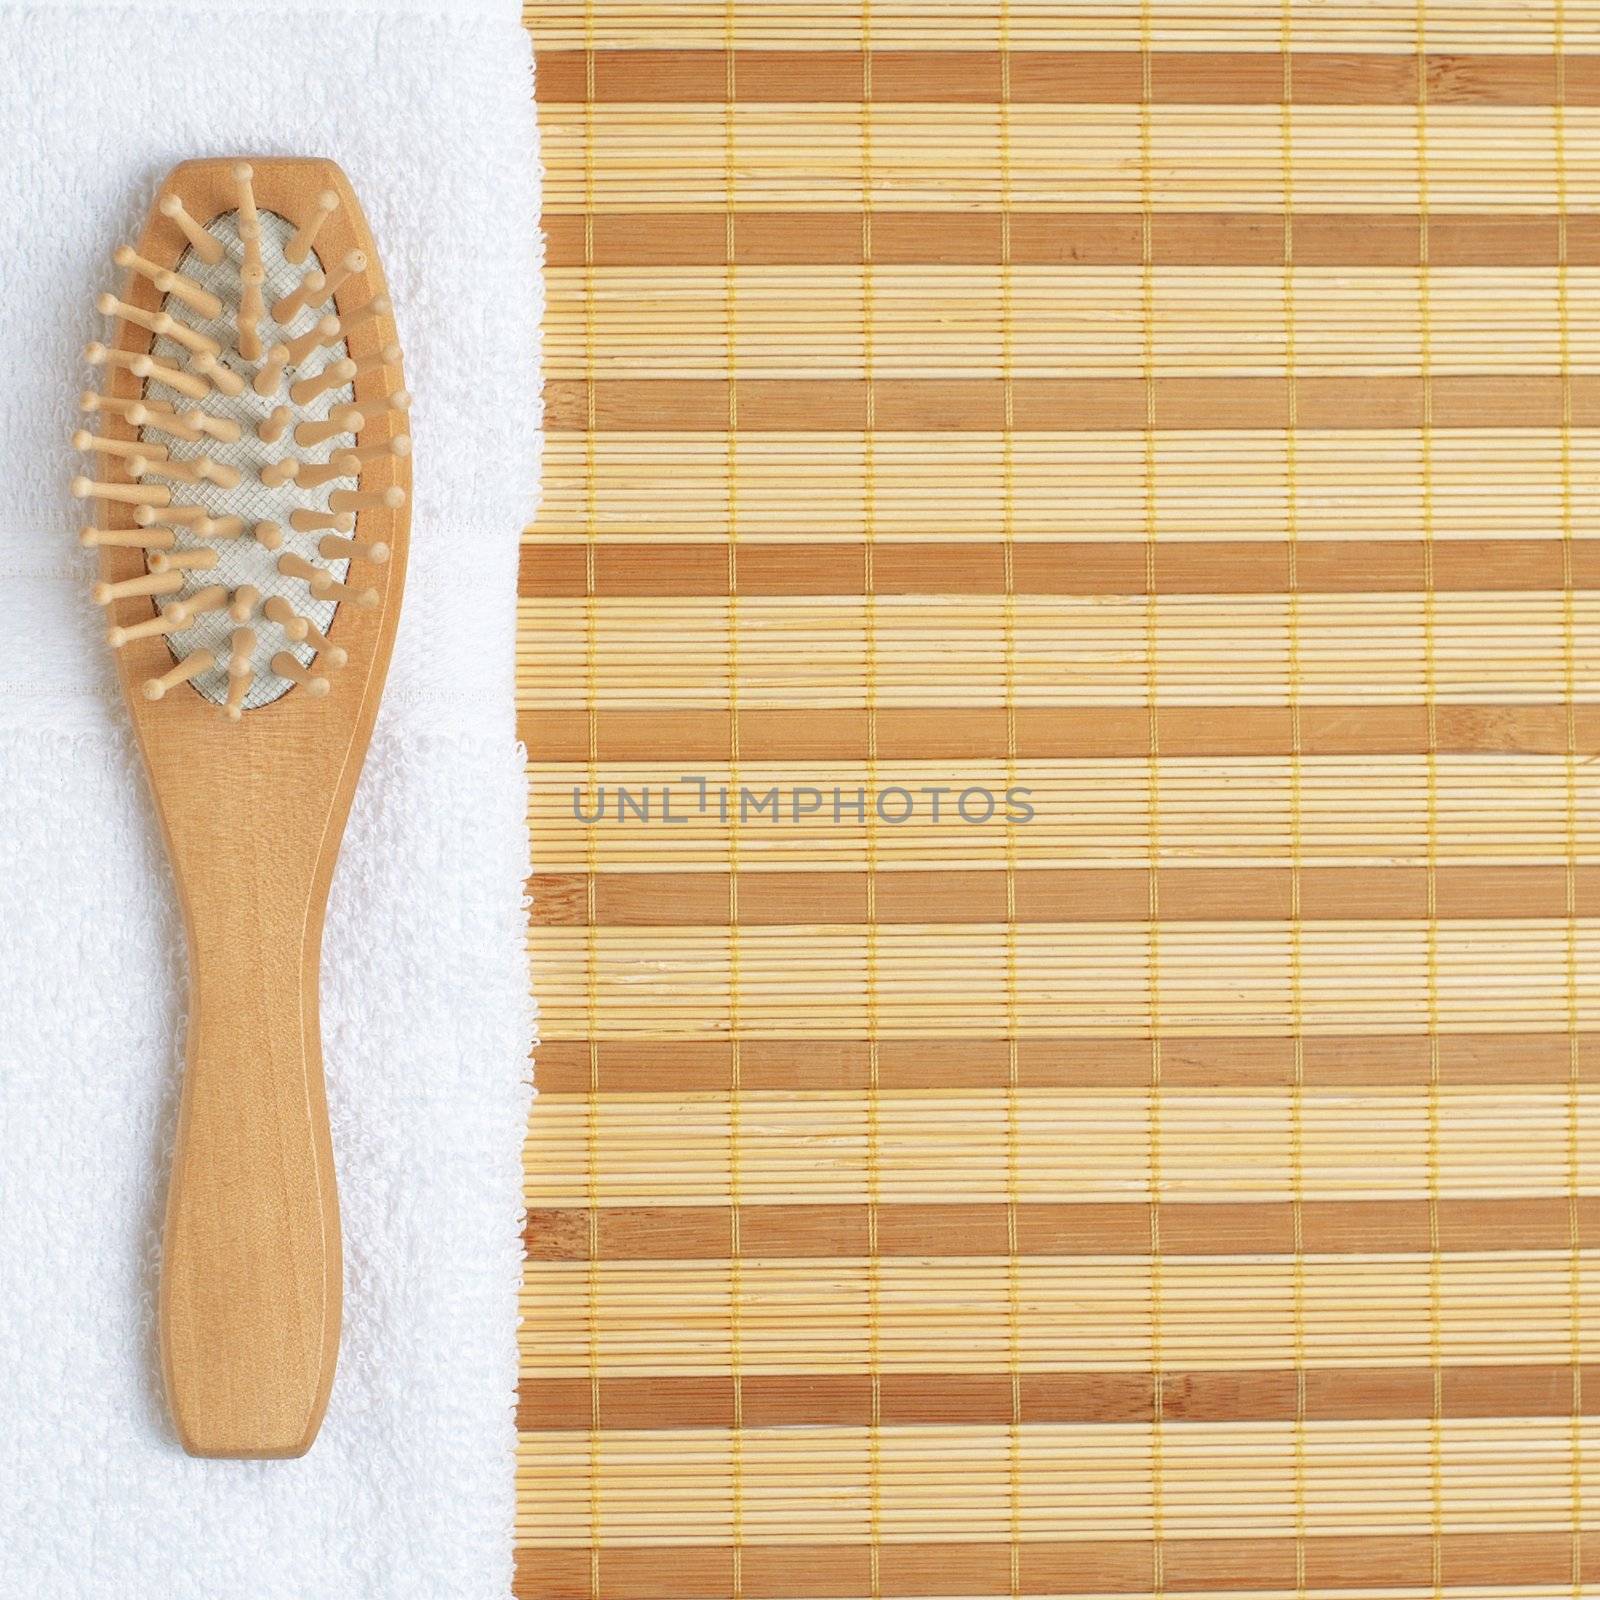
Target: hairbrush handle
column 251, row 1275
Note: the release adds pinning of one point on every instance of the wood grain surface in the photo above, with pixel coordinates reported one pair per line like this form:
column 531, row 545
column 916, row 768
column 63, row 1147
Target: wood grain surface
column 1188, row 414
column 251, row 1283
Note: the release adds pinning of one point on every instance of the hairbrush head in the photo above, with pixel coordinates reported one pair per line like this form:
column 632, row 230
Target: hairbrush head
column 249, row 275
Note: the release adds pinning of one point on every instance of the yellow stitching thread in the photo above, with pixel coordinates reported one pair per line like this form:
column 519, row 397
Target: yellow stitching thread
column 591, row 846
column 869, row 484
column 735, row 1263
column 1153, row 794
column 1570, row 676
column 1013, row 1008
column 1296, row 954
column 1430, row 699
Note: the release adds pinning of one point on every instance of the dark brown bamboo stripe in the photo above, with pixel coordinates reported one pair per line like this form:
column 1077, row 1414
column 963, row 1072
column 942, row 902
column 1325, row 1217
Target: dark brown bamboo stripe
column 944, row 734
column 647, row 569
column 1090, row 239
column 666, row 899
column 1060, row 77
column 901, row 1571
column 1070, row 1228
column 1364, row 1394
column 649, row 1066
column 1065, row 405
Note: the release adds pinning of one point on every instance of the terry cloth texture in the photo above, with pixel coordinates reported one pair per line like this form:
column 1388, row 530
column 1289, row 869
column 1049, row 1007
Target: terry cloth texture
column 408, row 1491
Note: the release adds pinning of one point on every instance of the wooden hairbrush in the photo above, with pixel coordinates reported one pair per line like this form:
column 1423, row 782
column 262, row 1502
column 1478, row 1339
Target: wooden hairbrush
column 251, row 487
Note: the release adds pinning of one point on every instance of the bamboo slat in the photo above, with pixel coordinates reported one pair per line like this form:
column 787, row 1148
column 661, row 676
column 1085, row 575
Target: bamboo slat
column 1184, row 416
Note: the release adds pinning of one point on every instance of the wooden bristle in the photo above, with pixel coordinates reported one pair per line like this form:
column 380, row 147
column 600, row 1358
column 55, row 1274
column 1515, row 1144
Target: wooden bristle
column 224, row 379
column 196, row 661
column 378, row 306
column 127, row 538
column 252, row 308
column 385, row 357
column 243, row 173
column 212, row 598
column 335, row 547
column 140, row 413
column 245, row 599
column 277, row 473
column 272, row 428
column 185, row 383
column 333, row 376
column 398, row 403
column 131, row 588
column 163, row 623
column 190, row 338
column 269, row 379
column 141, row 465
column 286, row 666
column 399, row 445
column 310, row 292
column 342, row 419
column 299, row 247
column 325, row 331
column 82, row 439
column 308, row 520
column 198, row 469
column 158, row 322
column 163, row 420
column 190, row 293
column 225, row 528
column 146, row 367
column 293, row 566
column 242, row 645
column 327, row 587
column 268, row 535
column 126, row 494
column 330, row 655
column 90, row 403
column 313, row 474
column 355, row 262
column 176, row 284
column 391, row 498
column 206, row 246
column 278, row 610
column 199, row 560
column 127, row 257
column 194, row 517
column 224, row 429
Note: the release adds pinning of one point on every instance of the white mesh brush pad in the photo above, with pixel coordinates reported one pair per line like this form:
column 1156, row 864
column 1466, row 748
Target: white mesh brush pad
column 243, row 561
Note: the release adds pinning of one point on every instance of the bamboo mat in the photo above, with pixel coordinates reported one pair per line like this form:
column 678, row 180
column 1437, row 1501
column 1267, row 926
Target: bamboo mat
column 1188, row 413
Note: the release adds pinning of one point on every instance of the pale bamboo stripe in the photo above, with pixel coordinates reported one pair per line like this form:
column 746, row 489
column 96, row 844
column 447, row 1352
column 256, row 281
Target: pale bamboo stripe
column 1499, row 649
column 1072, row 981
column 1071, row 158
column 1492, row 810
column 1501, row 26
column 1087, row 1480
column 939, row 1146
column 1084, row 1314
column 1361, row 485
column 935, row 322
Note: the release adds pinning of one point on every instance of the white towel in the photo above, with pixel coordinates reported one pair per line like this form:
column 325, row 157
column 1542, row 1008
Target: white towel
column 409, row 1490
